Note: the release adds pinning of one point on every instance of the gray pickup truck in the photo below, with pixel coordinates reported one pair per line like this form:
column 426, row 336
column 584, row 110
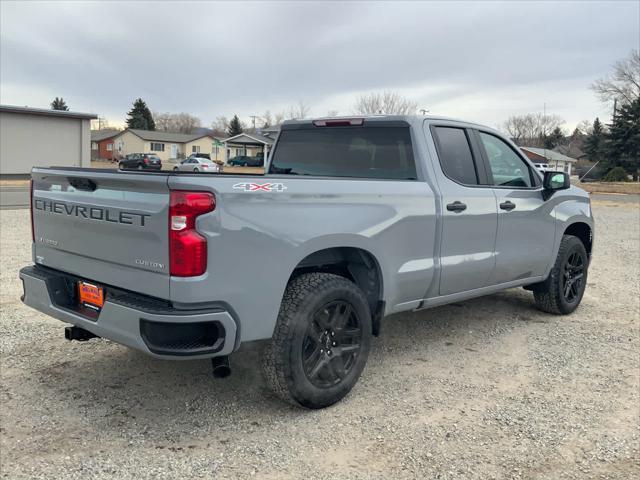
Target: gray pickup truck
column 355, row 219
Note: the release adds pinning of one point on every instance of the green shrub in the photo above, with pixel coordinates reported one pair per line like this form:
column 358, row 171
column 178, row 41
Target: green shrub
column 617, row 174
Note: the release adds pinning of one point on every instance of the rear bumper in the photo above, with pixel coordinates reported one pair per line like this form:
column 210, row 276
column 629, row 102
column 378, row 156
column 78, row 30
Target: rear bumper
column 136, row 321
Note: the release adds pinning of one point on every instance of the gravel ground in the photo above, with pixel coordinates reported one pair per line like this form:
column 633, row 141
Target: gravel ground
column 489, row 388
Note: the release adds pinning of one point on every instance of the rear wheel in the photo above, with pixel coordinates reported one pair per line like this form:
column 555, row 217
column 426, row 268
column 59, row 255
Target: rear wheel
column 195, row 169
column 321, row 341
column 175, row 169
column 562, row 291
column 140, row 166
column 121, row 166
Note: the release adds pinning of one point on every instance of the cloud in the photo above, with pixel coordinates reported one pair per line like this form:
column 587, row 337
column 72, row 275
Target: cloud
column 477, row 60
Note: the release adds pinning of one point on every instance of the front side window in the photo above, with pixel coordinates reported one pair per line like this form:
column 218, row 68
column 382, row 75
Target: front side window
column 361, row 152
column 157, row 147
column 455, row 155
column 507, row 168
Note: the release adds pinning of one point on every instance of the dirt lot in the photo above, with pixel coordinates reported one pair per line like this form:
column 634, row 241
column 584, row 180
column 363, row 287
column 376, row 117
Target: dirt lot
column 489, row 388
column 632, row 188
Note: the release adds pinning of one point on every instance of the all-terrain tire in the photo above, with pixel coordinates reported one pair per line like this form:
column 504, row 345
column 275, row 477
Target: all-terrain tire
column 306, row 297
column 549, row 295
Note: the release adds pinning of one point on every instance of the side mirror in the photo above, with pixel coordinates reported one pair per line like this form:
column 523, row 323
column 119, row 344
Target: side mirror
column 556, row 181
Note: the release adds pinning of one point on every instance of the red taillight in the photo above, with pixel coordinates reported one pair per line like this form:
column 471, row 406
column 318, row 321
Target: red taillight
column 187, row 248
column 342, row 122
column 33, row 232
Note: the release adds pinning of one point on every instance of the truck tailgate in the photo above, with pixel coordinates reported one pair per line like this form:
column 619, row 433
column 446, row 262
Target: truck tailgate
column 103, row 225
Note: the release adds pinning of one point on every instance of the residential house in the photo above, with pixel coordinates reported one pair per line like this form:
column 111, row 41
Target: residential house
column 102, row 146
column 555, row 160
column 249, row 144
column 168, row 146
column 37, row 137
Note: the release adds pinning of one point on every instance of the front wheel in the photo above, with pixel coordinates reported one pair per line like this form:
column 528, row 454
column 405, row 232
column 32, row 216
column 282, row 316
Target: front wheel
column 563, row 289
column 321, row 341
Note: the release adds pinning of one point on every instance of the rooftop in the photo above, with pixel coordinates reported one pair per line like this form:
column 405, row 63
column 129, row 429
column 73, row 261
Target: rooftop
column 549, row 154
column 47, row 112
column 253, row 136
column 156, row 136
column 99, row 135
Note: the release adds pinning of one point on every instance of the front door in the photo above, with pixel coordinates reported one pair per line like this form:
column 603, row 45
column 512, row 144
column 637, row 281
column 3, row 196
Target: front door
column 526, row 222
column 468, row 210
column 174, row 150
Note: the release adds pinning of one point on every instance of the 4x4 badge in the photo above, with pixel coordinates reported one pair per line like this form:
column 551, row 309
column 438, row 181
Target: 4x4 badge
column 257, row 187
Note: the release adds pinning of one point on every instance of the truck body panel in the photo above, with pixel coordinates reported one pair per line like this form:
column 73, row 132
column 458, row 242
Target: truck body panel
column 112, row 227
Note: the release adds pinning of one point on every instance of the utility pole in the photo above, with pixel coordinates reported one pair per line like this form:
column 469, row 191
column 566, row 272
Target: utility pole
column 544, row 130
column 253, row 120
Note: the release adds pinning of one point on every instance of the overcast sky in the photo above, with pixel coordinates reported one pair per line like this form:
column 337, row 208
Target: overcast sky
column 480, row 61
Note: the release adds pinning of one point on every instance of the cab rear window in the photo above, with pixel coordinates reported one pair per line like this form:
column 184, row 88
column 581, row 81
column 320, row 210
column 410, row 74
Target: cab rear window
column 360, row 152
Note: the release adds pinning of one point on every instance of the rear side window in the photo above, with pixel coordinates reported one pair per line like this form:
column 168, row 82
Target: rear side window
column 362, row 152
column 455, row 155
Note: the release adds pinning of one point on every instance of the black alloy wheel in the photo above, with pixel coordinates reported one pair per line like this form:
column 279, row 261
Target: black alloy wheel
column 332, row 343
column 573, row 275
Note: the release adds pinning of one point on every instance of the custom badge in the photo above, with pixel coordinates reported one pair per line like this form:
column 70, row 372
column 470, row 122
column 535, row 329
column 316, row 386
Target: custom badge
column 260, row 187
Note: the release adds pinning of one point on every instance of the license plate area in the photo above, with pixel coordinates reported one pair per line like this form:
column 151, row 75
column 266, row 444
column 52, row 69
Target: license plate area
column 90, row 295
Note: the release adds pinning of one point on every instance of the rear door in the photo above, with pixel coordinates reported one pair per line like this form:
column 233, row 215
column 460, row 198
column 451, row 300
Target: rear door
column 469, row 212
column 526, row 222
column 106, row 226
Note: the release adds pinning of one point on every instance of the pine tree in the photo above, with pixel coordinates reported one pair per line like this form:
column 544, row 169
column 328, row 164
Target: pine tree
column 235, row 127
column 623, row 145
column 594, row 145
column 140, row 116
column 59, row 104
column 554, row 139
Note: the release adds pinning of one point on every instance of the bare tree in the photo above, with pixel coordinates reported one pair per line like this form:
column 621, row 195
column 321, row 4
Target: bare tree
column 176, row 122
column 299, row 111
column 585, row 127
column 278, row 118
column 267, row 119
column 624, row 84
column 220, row 125
column 391, row 103
column 531, row 129
column 101, row 123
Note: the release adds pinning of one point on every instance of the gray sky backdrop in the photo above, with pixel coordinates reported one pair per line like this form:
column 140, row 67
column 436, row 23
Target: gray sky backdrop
column 481, row 61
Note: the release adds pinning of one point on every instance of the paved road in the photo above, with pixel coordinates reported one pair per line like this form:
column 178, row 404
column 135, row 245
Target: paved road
column 18, row 197
column 14, row 198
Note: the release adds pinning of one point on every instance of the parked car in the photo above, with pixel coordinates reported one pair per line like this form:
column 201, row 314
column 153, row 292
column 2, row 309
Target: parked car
column 199, row 155
column 140, row 161
column 197, row 164
column 246, row 161
column 356, row 219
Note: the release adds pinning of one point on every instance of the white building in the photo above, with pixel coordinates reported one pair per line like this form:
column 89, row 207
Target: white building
column 31, row 137
column 556, row 161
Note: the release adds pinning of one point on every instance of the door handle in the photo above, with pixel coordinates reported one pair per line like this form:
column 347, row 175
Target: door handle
column 508, row 206
column 456, row 206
